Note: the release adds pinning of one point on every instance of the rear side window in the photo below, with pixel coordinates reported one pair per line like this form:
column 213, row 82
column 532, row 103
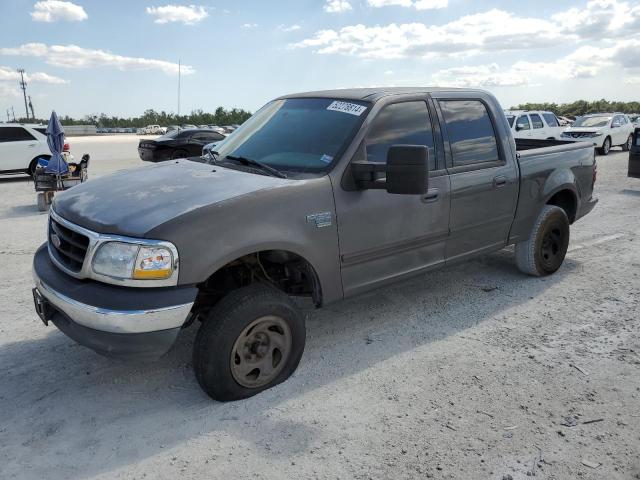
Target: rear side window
column 14, row 134
column 551, row 119
column 523, row 123
column 536, row 121
column 405, row 123
column 470, row 132
column 43, row 130
column 207, row 137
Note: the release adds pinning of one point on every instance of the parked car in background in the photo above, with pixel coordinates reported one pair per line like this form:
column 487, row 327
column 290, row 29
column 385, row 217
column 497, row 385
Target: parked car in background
column 216, row 128
column 177, row 144
column 635, row 120
column 634, row 155
column 534, row 124
column 20, row 147
column 171, row 128
column 187, row 126
column 154, row 130
column 604, row 130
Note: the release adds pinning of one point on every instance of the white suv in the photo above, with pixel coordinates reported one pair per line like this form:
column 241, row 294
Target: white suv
column 534, row 124
column 20, row 147
column 605, row 130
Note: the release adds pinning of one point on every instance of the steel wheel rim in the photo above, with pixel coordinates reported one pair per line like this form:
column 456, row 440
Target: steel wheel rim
column 551, row 247
column 261, row 351
column 607, row 145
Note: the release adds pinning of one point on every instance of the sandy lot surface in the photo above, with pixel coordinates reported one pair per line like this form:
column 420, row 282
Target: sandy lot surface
column 473, row 372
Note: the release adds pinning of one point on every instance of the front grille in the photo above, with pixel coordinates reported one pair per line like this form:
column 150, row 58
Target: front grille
column 68, row 246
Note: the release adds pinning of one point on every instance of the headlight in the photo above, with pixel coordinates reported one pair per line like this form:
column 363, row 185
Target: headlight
column 597, row 134
column 132, row 261
column 153, row 263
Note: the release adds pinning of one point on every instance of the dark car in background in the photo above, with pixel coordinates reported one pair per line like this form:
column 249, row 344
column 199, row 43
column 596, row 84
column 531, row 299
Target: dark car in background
column 177, row 144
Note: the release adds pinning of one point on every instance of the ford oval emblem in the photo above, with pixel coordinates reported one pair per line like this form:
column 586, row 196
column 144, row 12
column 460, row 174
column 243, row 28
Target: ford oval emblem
column 55, row 239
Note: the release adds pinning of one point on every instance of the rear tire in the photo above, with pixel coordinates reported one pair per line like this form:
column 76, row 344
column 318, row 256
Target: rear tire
column 628, row 144
column 606, row 147
column 543, row 253
column 252, row 340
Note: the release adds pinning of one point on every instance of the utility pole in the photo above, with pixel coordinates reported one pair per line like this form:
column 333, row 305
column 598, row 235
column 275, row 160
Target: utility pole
column 33, row 115
column 179, row 88
column 23, row 85
column 8, row 119
column 14, row 114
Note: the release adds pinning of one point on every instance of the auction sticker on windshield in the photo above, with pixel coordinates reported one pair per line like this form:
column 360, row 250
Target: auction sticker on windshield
column 346, row 107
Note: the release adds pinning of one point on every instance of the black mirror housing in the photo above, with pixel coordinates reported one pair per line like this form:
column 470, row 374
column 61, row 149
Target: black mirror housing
column 407, row 170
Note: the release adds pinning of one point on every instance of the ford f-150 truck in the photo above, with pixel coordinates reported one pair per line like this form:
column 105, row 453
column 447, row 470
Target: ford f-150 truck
column 325, row 195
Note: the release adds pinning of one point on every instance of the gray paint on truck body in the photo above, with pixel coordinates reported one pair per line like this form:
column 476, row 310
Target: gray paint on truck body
column 215, row 215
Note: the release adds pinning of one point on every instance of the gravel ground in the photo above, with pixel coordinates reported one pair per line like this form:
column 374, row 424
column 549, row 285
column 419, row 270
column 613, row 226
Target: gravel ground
column 472, row 372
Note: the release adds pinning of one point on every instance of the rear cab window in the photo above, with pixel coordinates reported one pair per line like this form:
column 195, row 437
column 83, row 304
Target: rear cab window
column 470, row 132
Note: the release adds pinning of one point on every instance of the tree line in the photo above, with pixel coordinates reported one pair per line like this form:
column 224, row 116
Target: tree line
column 582, row 107
column 220, row 116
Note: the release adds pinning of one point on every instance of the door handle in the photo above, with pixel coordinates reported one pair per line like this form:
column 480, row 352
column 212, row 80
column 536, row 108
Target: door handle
column 499, row 181
column 32, row 145
column 431, row 196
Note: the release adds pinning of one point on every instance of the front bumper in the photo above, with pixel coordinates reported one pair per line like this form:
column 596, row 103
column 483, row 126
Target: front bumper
column 126, row 322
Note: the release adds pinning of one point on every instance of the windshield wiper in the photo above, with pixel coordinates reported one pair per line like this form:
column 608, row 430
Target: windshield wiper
column 255, row 163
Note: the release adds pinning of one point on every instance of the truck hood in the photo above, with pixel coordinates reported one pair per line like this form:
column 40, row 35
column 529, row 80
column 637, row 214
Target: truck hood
column 133, row 202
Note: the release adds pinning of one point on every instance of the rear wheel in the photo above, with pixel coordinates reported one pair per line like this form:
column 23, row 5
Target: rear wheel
column 626, row 146
column 606, row 147
column 543, row 253
column 252, row 340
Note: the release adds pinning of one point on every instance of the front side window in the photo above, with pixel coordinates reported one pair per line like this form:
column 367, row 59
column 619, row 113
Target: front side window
column 470, row 132
column 536, row 121
column 297, row 134
column 551, row 119
column 406, row 123
column 523, row 123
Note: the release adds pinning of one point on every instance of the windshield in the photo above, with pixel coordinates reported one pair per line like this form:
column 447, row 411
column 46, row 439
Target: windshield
column 296, row 134
column 510, row 119
column 592, row 122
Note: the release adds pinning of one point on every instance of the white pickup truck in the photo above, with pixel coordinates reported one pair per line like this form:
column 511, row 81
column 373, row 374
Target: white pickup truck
column 534, row 124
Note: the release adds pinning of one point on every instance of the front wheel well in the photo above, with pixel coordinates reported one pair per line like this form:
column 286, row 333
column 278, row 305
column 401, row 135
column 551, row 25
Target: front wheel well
column 566, row 200
column 282, row 269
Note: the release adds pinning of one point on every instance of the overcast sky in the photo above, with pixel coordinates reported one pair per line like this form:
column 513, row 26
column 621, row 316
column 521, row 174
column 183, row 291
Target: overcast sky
column 121, row 57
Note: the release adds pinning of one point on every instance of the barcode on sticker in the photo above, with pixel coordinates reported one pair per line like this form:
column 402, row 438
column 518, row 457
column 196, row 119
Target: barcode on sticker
column 346, row 107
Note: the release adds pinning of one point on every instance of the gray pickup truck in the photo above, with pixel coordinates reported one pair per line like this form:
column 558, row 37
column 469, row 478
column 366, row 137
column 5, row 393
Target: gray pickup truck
column 325, row 195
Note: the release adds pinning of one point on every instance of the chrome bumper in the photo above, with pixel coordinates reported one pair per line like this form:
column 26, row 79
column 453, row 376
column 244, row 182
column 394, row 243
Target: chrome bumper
column 115, row 321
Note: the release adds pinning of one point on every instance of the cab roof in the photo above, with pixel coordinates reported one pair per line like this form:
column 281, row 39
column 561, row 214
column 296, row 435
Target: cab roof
column 373, row 94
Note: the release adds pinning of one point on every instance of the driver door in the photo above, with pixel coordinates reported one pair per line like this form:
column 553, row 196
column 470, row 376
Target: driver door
column 385, row 236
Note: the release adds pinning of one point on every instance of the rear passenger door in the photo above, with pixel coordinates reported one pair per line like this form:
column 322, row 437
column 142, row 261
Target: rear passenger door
column 484, row 181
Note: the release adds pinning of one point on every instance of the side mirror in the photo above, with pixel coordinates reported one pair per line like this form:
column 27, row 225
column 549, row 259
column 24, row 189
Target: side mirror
column 406, row 171
column 518, row 128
